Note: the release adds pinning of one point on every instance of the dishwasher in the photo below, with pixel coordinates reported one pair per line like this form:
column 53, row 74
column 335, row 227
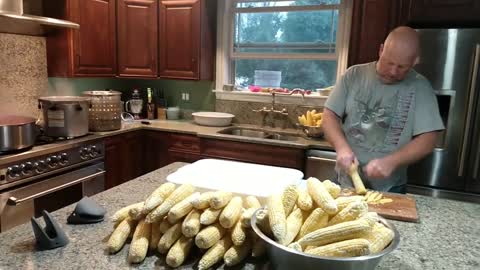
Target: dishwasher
column 321, row 164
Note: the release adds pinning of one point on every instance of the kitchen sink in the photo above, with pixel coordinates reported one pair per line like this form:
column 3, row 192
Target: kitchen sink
column 256, row 133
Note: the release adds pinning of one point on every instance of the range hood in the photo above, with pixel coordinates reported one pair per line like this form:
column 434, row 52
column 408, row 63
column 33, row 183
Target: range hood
column 13, row 20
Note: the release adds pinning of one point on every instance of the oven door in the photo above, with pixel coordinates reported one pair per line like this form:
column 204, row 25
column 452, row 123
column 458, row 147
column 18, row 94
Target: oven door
column 321, row 164
column 18, row 205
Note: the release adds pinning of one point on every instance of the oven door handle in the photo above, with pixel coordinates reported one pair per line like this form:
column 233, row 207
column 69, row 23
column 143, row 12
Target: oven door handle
column 14, row 201
column 322, row 159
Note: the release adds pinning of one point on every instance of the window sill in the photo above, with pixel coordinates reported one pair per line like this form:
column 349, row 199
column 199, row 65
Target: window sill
column 309, row 100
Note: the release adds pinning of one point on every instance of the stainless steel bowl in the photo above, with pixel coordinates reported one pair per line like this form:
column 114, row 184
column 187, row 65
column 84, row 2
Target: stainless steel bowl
column 311, row 131
column 282, row 257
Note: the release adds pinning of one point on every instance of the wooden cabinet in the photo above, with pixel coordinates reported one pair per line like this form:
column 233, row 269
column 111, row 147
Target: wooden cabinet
column 155, row 146
column 137, row 27
column 444, row 13
column 186, row 39
column 86, row 52
column 184, row 148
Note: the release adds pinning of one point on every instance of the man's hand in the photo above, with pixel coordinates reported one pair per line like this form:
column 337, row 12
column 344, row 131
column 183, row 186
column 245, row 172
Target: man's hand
column 345, row 158
column 379, row 168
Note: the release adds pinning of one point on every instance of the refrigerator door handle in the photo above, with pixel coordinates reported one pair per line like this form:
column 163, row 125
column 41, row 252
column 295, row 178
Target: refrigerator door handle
column 471, row 100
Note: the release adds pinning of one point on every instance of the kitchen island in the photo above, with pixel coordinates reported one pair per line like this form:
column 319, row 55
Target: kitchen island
column 447, row 236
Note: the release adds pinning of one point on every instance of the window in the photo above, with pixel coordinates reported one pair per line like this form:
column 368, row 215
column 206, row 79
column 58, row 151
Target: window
column 302, row 41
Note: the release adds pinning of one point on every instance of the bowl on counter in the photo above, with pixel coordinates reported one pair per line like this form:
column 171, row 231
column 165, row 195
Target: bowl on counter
column 213, row 119
column 312, row 131
column 283, row 258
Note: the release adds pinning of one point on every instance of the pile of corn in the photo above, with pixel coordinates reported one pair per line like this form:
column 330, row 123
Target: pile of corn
column 311, row 118
column 174, row 219
column 318, row 222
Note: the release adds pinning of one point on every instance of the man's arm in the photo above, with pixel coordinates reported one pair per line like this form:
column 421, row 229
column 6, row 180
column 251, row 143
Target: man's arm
column 415, row 150
column 334, row 134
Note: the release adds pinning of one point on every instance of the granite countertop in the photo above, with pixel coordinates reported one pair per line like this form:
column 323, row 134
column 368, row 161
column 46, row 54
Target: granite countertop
column 445, row 238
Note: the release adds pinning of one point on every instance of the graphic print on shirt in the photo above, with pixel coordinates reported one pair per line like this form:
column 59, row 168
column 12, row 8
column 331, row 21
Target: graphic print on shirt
column 377, row 124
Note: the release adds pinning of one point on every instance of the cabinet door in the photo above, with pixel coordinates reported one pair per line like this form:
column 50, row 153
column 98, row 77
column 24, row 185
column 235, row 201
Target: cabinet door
column 179, row 39
column 113, row 162
column 155, row 150
column 94, row 43
column 137, row 38
column 444, row 13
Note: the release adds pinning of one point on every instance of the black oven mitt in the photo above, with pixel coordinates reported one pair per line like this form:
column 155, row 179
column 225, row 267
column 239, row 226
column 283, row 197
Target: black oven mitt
column 50, row 237
column 86, row 211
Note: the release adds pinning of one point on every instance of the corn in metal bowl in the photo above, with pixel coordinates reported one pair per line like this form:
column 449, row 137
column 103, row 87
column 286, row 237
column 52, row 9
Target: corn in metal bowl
column 284, row 258
column 312, row 131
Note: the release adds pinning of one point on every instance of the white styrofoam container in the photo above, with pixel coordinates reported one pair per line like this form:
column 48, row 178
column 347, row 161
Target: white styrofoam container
column 237, row 177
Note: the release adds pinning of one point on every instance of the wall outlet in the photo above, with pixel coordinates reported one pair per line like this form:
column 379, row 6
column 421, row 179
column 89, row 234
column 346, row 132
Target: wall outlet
column 186, row 96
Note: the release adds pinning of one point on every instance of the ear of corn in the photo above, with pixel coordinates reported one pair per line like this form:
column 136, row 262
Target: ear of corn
column 246, row 217
column 210, row 235
column 169, row 238
column 179, row 252
column 231, row 213
column 276, row 217
column 123, row 212
column 157, row 197
column 289, row 198
column 349, row 213
column 316, row 220
column 120, row 235
column 235, row 254
column 136, row 212
column 347, row 248
column 210, row 216
column 320, row 195
column 264, row 223
column 356, row 180
column 252, row 202
column 371, row 218
column 139, row 246
column 181, row 209
column 215, row 253
column 191, row 224
column 304, row 201
column 164, row 225
column 294, row 223
column 220, row 199
column 379, row 237
column 296, row 246
column 339, row 232
column 332, row 188
column 203, row 201
column 175, row 197
column 343, row 202
column 239, row 234
column 155, row 236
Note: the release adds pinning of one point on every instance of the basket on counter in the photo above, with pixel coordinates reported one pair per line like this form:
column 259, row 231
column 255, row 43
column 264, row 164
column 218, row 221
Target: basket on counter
column 105, row 111
column 312, row 131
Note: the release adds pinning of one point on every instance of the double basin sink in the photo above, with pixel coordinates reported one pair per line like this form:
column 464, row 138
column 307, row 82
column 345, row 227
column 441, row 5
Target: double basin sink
column 258, row 133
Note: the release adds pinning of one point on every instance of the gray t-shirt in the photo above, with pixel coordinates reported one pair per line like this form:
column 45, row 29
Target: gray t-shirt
column 379, row 118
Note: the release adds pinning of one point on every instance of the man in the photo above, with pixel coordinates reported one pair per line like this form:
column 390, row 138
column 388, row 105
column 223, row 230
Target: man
column 383, row 115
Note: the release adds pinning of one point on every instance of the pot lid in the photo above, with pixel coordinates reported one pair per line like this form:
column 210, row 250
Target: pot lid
column 101, row 93
column 15, row 120
column 63, row 99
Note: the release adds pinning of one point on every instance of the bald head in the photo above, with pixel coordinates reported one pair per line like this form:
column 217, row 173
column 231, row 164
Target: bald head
column 398, row 54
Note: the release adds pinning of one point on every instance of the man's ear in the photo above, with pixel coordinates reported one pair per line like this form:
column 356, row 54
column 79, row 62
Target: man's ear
column 380, row 51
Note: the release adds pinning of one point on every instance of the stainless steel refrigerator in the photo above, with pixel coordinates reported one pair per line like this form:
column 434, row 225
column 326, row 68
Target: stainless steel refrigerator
column 450, row 60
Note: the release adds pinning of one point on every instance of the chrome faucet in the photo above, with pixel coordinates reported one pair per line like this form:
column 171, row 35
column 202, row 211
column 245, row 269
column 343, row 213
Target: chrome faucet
column 272, row 111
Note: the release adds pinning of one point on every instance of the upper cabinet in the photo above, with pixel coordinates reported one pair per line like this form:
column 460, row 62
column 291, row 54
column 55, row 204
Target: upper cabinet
column 186, row 39
column 137, row 28
column 444, row 13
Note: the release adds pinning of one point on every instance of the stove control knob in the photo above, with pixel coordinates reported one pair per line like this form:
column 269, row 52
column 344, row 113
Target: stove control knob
column 52, row 161
column 40, row 166
column 63, row 158
column 14, row 171
column 27, row 168
column 84, row 152
column 93, row 151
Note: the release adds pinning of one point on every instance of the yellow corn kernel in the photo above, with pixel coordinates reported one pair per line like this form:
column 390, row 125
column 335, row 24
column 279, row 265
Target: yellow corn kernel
column 179, row 251
column 210, row 235
column 343, row 202
column 155, row 236
column 294, row 223
column 377, row 197
column 383, row 201
column 347, row 248
column 210, row 216
column 191, row 224
column 215, row 253
column 289, row 198
column 139, row 245
column 231, row 213
column 164, row 225
column 379, row 237
column 236, row 254
column 304, row 201
column 353, row 211
column 252, row 202
column 220, row 199
column 320, row 195
column 316, row 220
column 356, row 180
column 120, row 235
column 169, row 238
column 181, row 209
column 203, row 201
column 175, row 197
column 332, row 188
column 136, row 212
column 371, row 218
column 157, row 197
column 276, row 217
column 123, row 212
column 239, row 234
column 338, row 232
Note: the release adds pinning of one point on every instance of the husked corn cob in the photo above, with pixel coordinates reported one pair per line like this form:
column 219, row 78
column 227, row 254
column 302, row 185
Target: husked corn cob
column 356, row 180
column 371, row 218
column 191, row 224
column 246, row 217
column 220, row 199
column 203, row 201
column 263, row 222
column 277, row 218
column 181, row 209
column 139, row 245
column 235, row 254
column 338, row 232
column 179, row 251
column 155, row 236
column 169, row 238
column 304, row 201
column 332, row 188
column 157, row 197
column 215, row 253
column 259, row 246
column 175, row 197
column 210, row 235
column 231, row 213
column 347, row 248
column 343, row 202
column 317, row 219
column 120, row 235
column 136, row 212
column 164, row 225
column 308, row 248
column 239, row 234
column 320, row 195
column 123, row 212
column 289, row 198
column 296, row 246
column 294, row 223
column 349, row 213
column 210, row 216
column 252, row 202
column 379, row 237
